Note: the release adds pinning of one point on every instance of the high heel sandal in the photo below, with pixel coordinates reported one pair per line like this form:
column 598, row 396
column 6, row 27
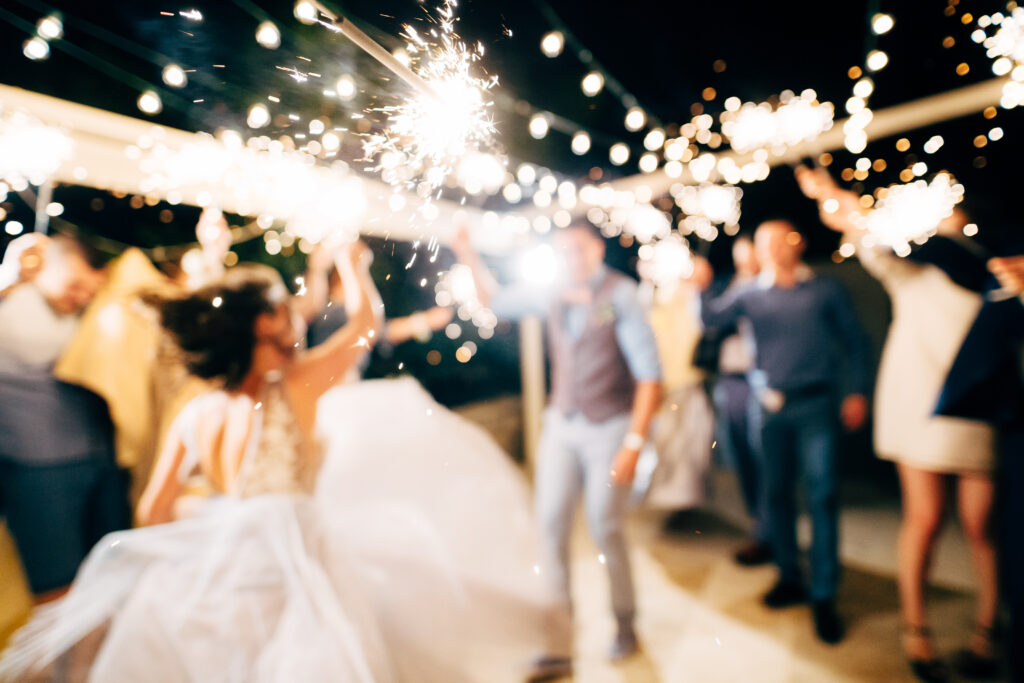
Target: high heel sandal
column 930, row 670
column 971, row 664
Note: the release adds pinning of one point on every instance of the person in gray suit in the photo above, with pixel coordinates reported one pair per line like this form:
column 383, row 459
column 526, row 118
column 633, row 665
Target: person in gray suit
column 605, row 388
column 60, row 489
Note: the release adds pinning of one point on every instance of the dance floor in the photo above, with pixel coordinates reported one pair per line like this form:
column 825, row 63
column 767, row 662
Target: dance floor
column 701, row 619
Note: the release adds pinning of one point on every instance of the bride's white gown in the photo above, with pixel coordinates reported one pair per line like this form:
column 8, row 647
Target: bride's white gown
column 414, row 560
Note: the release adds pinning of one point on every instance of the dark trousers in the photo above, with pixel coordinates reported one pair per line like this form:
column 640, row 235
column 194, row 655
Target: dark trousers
column 736, row 438
column 799, row 443
column 56, row 512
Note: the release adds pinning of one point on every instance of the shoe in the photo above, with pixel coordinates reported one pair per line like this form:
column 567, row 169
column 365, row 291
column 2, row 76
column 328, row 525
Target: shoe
column 753, row 554
column 549, row 668
column 784, row 594
column 624, row 646
column 827, row 624
column 926, row 669
column 972, row 664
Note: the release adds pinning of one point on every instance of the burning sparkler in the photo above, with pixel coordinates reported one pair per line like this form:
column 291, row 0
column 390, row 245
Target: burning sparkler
column 427, row 134
column 30, row 152
column 911, row 213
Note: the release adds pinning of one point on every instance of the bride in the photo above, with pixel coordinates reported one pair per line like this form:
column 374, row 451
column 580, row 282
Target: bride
column 356, row 533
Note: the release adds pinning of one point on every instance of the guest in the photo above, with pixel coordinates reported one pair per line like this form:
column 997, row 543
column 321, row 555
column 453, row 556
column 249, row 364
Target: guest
column 734, row 360
column 59, row 486
column 797, row 321
column 986, row 382
column 683, row 429
column 606, row 387
column 931, row 316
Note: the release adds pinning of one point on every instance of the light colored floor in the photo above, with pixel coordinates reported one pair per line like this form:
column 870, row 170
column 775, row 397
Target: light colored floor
column 701, row 619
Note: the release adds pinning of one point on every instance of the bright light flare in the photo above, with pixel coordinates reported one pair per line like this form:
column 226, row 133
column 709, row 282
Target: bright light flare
column 427, row 134
column 539, row 266
column 666, row 262
column 757, row 126
column 882, row 23
column 911, row 213
column 30, row 151
column 636, row 119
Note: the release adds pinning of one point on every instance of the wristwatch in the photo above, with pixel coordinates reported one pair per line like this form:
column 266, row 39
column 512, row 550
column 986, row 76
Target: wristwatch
column 634, row 441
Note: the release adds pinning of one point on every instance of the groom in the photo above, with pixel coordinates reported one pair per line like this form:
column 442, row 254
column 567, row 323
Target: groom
column 605, row 387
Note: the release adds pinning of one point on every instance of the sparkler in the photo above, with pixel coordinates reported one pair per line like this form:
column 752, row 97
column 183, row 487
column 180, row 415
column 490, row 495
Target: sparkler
column 30, row 152
column 261, row 178
column 449, row 116
column 912, row 212
column 666, row 262
column 1006, row 47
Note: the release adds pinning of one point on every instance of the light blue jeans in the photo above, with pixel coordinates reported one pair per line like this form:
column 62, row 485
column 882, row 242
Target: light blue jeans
column 574, row 459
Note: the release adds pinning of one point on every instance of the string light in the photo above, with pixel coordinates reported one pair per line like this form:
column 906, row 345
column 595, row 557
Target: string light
column 258, row 117
column 877, row 60
column 882, row 23
column 580, row 143
column 174, row 76
column 149, row 102
column 619, row 153
column 306, row 12
column 592, row 83
column 635, row 119
column 36, row 49
column 50, row 27
column 539, row 126
column 345, row 87
column 552, row 43
column 268, row 35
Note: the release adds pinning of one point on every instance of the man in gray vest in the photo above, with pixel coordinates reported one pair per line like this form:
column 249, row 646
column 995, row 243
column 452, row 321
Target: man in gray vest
column 605, row 388
column 60, row 489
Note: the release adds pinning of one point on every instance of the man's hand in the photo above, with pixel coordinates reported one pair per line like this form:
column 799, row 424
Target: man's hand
column 1010, row 272
column 624, row 467
column 853, row 412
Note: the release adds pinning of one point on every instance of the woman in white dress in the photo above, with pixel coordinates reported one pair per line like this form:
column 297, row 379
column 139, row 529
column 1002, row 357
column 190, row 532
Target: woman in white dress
column 412, row 561
column 930, row 318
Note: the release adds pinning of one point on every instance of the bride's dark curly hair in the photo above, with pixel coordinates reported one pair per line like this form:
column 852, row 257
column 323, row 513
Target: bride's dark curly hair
column 216, row 326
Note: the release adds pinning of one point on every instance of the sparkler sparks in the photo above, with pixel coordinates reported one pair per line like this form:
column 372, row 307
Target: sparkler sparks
column 1006, row 48
column 912, row 212
column 30, row 152
column 426, row 135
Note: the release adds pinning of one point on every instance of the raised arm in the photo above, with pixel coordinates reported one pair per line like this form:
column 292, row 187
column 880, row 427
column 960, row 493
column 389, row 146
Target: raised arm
column 483, row 279
column 316, row 290
column 845, row 215
column 320, row 368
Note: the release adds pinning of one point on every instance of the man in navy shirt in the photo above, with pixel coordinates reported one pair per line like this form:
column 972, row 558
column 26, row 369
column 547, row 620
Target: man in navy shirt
column 799, row 323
